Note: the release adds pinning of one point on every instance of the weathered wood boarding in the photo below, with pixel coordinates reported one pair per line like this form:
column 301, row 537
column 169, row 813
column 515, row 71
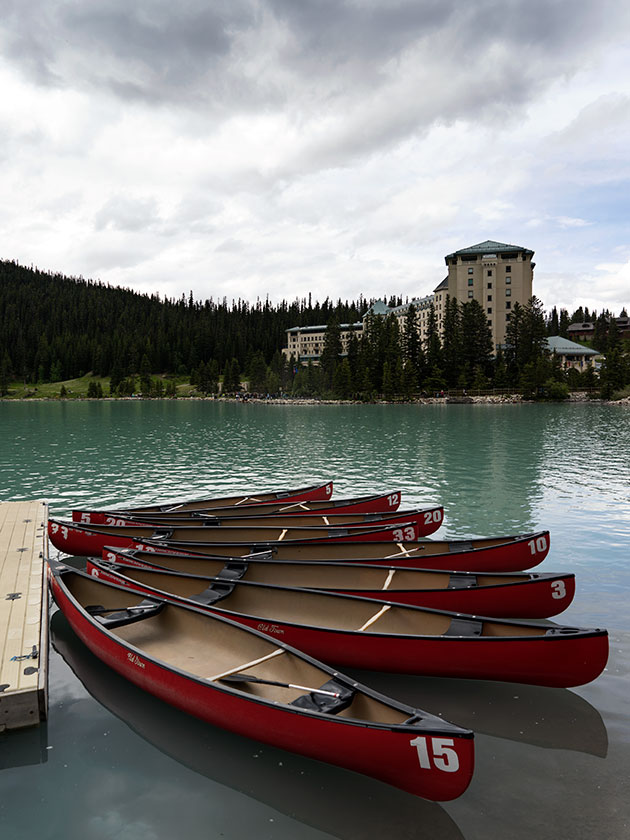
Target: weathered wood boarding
column 23, row 614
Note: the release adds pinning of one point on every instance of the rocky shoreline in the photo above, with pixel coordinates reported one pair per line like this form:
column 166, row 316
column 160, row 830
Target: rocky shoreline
column 486, row 399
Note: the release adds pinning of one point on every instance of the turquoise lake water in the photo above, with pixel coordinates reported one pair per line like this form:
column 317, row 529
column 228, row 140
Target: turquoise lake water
column 551, row 763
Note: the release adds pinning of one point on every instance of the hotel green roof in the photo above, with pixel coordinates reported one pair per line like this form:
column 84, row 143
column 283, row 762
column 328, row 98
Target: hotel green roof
column 489, row 247
column 558, row 344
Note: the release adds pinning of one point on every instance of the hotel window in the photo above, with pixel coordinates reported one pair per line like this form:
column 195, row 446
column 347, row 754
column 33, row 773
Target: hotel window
column 470, row 293
column 470, row 281
column 489, row 272
column 489, row 285
column 508, row 292
column 489, row 310
column 508, row 304
column 508, row 269
column 508, row 279
column 489, row 322
column 489, row 298
column 507, row 316
column 470, row 271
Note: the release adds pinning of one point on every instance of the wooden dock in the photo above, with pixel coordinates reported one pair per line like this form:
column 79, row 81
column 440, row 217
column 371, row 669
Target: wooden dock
column 23, row 614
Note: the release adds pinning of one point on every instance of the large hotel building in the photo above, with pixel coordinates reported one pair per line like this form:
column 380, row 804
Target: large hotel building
column 495, row 274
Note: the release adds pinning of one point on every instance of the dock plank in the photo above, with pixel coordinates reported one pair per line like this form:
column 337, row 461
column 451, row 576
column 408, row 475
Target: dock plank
column 23, row 613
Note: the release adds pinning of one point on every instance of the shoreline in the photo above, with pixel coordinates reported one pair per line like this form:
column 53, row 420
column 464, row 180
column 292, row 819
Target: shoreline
column 488, row 399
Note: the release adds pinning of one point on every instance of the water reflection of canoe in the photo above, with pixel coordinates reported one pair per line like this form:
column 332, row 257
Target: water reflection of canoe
column 316, row 492
column 553, row 718
column 381, row 503
column 502, row 595
column 86, row 540
column 490, row 554
column 383, row 636
column 357, row 807
column 247, row 682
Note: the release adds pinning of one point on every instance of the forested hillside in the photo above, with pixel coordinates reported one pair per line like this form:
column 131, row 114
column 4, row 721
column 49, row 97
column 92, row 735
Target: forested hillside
column 54, row 327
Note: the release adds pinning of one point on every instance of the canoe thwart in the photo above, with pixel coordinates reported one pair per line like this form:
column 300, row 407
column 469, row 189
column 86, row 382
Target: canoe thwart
column 112, row 617
column 460, row 626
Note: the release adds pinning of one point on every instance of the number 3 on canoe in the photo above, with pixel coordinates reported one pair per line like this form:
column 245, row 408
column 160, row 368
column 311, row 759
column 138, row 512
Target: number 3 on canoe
column 444, row 758
column 559, row 589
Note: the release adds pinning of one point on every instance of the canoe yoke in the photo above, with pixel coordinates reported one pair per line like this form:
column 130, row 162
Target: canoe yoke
column 223, row 584
column 459, row 580
column 118, row 617
column 460, row 626
column 326, row 703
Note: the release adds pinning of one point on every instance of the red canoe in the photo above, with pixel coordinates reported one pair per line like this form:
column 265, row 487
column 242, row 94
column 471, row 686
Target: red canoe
column 426, row 520
column 382, row 503
column 382, row 636
column 489, row 554
column 86, row 540
column 315, row 492
column 502, row 595
column 259, row 687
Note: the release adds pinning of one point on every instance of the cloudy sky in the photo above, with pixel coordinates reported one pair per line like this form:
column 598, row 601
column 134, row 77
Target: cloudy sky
column 246, row 148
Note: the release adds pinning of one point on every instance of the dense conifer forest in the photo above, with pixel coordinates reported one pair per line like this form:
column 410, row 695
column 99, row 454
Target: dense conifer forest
column 55, row 328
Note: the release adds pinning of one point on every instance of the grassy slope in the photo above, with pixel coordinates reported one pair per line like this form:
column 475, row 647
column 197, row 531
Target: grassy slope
column 76, row 388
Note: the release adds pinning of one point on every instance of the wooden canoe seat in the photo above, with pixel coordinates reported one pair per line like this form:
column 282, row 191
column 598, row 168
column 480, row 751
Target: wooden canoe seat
column 316, row 702
column 112, row 617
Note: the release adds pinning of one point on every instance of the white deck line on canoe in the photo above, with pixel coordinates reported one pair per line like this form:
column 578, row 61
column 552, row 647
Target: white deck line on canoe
column 23, row 614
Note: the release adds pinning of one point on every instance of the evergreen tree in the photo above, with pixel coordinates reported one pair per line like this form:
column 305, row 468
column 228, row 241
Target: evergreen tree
column 342, row 382
column 600, row 334
column 432, row 344
column 331, row 353
column 257, row 373
column 563, row 327
column 145, row 374
column 476, row 352
column 453, row 341
column 5, row 374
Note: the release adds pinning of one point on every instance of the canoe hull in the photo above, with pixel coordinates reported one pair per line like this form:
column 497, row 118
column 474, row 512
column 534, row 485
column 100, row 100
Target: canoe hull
column 426, row 521
column 386, row 754
column 562, row 660
column 502, row 596
column 509, row 554
column 87, row 540
column 316, row 492
column 383, row 503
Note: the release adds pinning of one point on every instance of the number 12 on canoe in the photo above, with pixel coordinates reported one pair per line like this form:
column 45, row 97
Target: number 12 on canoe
column 444, row 758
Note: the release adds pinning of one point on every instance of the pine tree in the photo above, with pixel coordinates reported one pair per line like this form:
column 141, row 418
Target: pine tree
column 432, row 344
column 5, row 374
column 453, row 341
column 476, row 349
column 331, row 353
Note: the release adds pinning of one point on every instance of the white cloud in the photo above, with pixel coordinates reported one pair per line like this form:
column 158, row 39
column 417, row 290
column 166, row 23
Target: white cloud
column 333, row 147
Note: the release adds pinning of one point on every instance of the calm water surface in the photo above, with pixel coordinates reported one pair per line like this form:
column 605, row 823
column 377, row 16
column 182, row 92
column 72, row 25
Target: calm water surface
column 551, row 763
